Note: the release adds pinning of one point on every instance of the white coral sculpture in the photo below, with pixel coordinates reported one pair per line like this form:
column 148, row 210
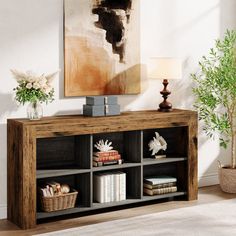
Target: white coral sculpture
column 103, row 146
column 158, row 143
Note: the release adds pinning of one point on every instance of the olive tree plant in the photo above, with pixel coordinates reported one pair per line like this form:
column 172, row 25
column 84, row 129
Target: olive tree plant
column 215, row 91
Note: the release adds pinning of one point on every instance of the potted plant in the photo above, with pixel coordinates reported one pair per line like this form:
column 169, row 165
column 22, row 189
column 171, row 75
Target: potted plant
column 34, row 89
column 215, row 93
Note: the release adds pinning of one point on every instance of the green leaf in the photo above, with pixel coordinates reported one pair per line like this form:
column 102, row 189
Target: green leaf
column 215, row 88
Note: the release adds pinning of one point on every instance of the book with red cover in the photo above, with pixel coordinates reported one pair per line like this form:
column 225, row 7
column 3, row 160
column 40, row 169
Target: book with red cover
column 107, row 158
column 105, row 154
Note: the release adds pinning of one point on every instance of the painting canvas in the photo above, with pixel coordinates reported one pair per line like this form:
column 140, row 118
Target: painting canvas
column 102, row 47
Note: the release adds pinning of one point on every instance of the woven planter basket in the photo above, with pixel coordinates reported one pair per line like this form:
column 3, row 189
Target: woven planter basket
column 60, row 202
column 227, row 179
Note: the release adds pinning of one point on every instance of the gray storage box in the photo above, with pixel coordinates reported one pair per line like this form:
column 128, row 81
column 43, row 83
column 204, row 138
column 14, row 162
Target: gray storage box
column 101, row 100
column 95, row 100
column 89, row 110
column 110, row 100
column 112, row 110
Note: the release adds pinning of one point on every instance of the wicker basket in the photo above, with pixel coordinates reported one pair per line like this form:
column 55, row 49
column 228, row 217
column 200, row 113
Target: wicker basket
column 59, row 202
column 227, row 179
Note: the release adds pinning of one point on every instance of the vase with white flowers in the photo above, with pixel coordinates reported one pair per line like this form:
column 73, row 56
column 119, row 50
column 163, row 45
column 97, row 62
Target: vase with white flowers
column 34, row 89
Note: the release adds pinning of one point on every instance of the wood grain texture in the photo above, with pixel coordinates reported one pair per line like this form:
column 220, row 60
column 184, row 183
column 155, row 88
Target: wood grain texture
column 192, row 158
column 14, row 193
column 84, row 131
column 21, row 175
column 29, row 178
column 127, row 121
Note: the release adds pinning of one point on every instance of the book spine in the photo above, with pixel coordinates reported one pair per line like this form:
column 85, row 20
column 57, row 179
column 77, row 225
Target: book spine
column 122, row 186
column 107, row 158
column 149, row 186
column 161, row 181
column 109, row 187
column 105, row 190
column 102, row 163
column 160, row 191
column 113, row 187
column 117, row 187
column 165, row 190
column 106, row 154
column 99, row 189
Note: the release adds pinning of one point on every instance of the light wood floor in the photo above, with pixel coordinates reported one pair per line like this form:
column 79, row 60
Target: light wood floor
column 206, row 195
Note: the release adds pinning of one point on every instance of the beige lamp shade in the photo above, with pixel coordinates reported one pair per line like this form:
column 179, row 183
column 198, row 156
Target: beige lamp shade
column 164, row 68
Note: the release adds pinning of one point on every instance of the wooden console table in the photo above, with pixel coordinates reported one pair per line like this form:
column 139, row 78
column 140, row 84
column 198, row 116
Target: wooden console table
column 61, row 148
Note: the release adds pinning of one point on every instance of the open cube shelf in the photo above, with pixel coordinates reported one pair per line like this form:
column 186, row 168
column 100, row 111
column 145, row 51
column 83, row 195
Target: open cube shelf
column 68, row 152
column 61, row 149
column 176, row 138
column 126, row 143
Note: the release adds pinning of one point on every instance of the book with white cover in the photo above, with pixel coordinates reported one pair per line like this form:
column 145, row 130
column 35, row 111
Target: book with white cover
column 107, row 187
column 113, row 186
column 98, row 191
column 116, row 186
column 161, row 179
column 122, row 186
column 104, row 187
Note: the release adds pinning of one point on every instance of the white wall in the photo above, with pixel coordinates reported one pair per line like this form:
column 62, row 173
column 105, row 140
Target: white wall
column 31, row 39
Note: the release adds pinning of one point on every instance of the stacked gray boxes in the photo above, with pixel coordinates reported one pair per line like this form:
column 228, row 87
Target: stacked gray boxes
column 101, row 106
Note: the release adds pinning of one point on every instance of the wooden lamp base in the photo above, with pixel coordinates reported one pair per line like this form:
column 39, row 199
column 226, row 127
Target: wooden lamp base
column 165, row 106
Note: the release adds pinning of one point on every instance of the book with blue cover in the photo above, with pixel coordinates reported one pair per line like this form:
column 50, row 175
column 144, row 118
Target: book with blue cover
column 161, row 179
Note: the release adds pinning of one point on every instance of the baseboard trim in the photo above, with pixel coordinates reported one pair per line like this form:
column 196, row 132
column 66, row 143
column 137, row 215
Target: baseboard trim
column 3, row 211
column 208, row 180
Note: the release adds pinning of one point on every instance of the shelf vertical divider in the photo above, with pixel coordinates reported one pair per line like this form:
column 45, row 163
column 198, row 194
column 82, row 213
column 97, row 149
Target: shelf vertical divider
column 82, row 156
column 132, row 143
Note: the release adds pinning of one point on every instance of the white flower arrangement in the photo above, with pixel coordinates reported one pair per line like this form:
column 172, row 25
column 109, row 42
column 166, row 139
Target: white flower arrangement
column 32, row 87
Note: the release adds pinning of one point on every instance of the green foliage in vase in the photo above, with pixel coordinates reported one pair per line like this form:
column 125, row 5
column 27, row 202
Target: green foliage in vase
column 33, row 88
column 215, row 91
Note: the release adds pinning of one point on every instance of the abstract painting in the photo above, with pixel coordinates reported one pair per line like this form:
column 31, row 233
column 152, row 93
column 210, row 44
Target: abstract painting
column 101, row 47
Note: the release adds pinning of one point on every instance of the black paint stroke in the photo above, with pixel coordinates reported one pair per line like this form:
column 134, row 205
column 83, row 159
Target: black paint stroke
column 114, row 15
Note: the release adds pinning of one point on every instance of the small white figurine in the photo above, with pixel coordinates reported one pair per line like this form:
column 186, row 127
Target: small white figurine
column 103, row 146
column 158, row 143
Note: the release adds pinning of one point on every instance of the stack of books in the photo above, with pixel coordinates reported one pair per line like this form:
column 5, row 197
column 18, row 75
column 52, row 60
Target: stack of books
column 106, row 158
column 157, row 185
column 109, row 187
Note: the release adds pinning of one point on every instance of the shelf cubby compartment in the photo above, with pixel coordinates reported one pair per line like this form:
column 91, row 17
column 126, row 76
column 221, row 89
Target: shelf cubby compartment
column 177, row 144
column 79, row 182
column 128, row 144
column 63, row 155
column 133, row 187
column 173, row 169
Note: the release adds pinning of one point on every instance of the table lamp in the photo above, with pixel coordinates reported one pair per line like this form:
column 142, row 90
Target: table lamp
column 166, row 69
